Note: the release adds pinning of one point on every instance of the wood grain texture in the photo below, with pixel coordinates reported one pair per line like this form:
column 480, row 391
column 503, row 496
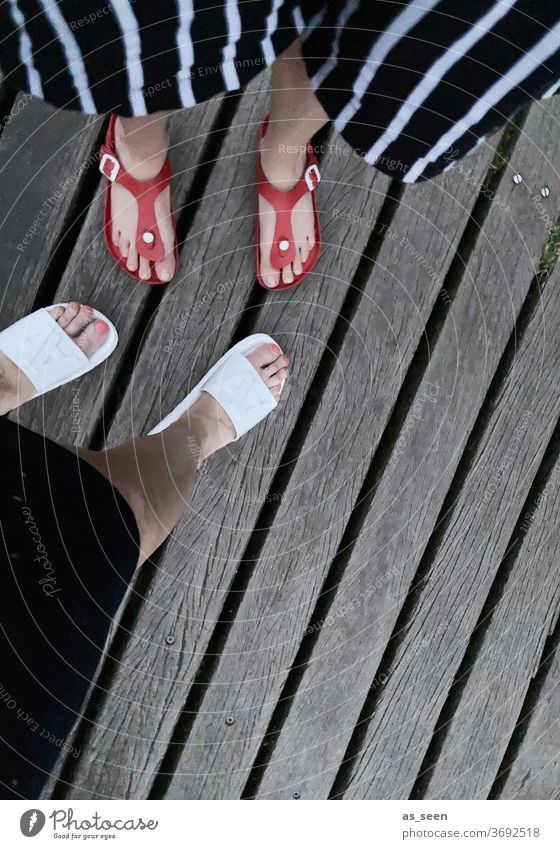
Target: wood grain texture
column 195, row 325
column 45, row 157
column 412, row 492
column 322, row 492
column 272, row 511
column 491, row 700
column 535, row 772
column 42, row 156
column 92, row 277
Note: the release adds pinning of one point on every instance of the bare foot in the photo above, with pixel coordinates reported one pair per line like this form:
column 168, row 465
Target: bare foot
column 283, row 166
column 143, row 161
column 88, row 333
column 210, row 421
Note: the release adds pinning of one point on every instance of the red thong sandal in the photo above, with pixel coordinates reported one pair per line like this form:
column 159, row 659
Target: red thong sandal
column 283, row 250
column 149, row 243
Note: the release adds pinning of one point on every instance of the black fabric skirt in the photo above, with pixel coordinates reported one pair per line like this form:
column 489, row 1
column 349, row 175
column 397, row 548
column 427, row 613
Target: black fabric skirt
column 412, row 85
column 69, row 548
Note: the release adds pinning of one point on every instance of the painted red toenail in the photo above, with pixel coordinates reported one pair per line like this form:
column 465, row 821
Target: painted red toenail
column 276, row 349
column 100, row 326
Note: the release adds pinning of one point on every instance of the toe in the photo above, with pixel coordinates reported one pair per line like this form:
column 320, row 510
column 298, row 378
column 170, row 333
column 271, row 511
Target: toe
column 79, row 322
column 304, row 251
column 56, row 313
column 271, row 278
column 271, row 370
column 277, row 380
column 93, row 337
column 297, row 265
column 272, row 366
column 166, row 268
column 145, row 270
column 124, row 246
column 70, row 312
column 115, row 235
column 287, row 275
column 264, row 355
column 132, row 261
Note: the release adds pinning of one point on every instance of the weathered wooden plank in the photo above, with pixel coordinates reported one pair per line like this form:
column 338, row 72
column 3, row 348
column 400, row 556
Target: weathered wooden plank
column 535, row 772
column 42, row 152
column 353, row 636
column 92, row 277
column 462, row 365
column 517, row 434
column 322, row 492
column 194, row 289
column 186, row 598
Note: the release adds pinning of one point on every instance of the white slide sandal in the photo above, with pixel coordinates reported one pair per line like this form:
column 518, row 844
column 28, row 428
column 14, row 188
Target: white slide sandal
column 41, row 349
column 237, row 387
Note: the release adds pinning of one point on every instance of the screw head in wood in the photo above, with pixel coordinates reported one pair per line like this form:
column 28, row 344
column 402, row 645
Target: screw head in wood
column 229, row 720
column 296, row 795
column 545, row 191
column 170, row 639
column 517, row 178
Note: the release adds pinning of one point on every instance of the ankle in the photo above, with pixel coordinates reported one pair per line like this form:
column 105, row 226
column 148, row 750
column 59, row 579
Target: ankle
column 15, row 387
column 282, row 162
column 142, row 150
column 206, row 428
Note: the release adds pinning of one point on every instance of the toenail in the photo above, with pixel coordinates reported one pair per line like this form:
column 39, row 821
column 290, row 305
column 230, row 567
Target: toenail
column 89, row 310
column 276, row 349
column 100, row 326
column 165, row 274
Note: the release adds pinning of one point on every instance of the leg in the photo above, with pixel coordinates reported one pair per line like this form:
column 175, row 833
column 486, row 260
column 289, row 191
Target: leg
column 295, row 116
column 142, row 145
column 295, row 113
column 156, row 474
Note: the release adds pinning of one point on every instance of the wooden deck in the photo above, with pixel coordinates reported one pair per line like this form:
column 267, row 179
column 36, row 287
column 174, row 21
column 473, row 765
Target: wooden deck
column 362, row 598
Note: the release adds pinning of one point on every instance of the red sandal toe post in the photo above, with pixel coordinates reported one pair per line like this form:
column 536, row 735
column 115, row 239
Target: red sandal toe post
column 149, row 243
column 283, row 249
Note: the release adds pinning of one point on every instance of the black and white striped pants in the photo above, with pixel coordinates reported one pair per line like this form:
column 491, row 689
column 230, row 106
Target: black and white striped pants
column 411, row 84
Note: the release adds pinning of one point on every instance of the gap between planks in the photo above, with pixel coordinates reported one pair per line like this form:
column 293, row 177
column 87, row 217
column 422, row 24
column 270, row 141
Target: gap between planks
column 530, row 307
column 224, row 783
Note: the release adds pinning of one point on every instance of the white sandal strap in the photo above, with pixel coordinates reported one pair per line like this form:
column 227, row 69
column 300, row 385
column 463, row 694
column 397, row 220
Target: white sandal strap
column 43, row 351
column 240, row 390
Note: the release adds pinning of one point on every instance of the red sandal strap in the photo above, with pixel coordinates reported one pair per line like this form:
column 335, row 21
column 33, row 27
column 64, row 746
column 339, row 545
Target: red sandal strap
column 282, row 250
column 149, row 243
